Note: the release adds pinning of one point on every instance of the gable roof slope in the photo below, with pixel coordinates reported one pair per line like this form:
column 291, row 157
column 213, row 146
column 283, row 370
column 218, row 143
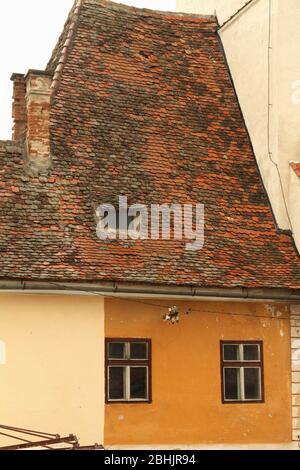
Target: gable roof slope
column 143, row 106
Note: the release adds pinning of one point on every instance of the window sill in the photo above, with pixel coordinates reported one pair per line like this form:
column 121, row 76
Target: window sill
column 243, row 402
column 122, row 402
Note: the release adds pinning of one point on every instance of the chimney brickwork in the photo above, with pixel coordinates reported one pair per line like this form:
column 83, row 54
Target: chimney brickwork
column 19, row 111
column 37, row 146
column 31, row 115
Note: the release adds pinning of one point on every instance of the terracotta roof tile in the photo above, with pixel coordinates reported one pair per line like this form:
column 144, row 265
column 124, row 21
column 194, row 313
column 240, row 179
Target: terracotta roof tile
column 144, row 106
column 296, row 167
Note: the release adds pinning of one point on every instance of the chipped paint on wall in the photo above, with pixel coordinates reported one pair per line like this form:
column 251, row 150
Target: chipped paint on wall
column 186, row 375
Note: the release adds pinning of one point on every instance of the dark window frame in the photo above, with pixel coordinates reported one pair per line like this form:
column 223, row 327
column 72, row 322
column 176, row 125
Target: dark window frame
column 126, row 363
column 243, row 364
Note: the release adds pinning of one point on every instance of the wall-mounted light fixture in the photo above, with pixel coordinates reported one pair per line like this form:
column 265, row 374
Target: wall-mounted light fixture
column 173, row 316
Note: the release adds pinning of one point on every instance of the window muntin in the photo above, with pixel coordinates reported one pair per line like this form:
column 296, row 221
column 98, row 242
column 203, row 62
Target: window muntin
column 128, row 370
column 242, row 372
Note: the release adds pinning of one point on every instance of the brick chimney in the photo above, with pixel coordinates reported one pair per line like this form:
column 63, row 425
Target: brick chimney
column 37, row 143
column 19, row 111
column 31, row 114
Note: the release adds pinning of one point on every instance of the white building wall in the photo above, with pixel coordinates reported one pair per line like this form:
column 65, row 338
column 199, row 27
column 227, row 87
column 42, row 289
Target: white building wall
column 262, row 49
column 224, row 8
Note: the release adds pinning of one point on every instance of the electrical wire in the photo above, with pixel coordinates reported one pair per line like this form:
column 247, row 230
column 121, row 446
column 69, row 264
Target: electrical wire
column 235, row 15
column 166, row 307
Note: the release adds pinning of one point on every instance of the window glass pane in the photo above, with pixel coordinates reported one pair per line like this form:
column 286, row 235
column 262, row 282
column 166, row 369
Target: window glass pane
column 116, row 351
column 232, row 384
column 252, row 384
column 251, row 352
column 139, row 383
column 231, row 352
column 117, row 383
column 138, row 351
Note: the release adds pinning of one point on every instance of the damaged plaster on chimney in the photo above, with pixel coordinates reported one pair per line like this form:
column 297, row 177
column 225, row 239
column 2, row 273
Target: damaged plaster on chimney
column 31, row 113
column 19, row 111
column 37, row 143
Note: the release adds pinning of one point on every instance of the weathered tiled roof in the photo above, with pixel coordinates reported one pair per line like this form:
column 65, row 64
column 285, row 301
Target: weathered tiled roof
column 143, row 106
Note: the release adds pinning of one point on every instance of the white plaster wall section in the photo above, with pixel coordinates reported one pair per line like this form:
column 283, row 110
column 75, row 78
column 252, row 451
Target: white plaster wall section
column 294, row 199
column 223, row 8
column 296, row 92
column 262, row 49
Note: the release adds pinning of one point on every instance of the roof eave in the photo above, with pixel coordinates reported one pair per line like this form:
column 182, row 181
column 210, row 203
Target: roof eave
column 139, row 289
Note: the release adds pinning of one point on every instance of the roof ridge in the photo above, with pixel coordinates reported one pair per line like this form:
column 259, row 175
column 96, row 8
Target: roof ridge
column 73, row 19
column 149, row 12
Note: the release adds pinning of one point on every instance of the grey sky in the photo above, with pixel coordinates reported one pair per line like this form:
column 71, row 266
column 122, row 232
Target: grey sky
column 28, row 32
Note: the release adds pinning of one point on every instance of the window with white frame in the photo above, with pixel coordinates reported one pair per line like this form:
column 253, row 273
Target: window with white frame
column 128, row 370
column 242, row 371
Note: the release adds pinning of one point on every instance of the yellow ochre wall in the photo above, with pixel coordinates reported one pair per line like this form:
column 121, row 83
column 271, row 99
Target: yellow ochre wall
column 53, row 376
column 186, row 378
